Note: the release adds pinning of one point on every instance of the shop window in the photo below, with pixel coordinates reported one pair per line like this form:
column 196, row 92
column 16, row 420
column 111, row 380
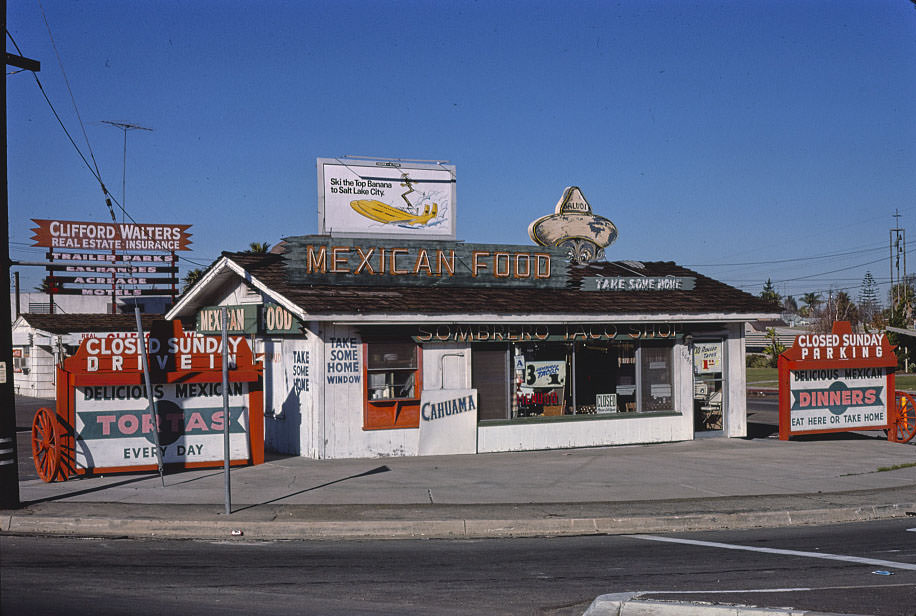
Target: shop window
column 657, row 388
column 392, row 385
column 541, row 385
column 21, row 360
column 605, row 378
column 563, row 379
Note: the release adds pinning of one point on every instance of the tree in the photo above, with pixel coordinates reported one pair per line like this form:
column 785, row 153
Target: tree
column 812, row 301
column 790, row 305
column 258, row 248
column 191, row 278
column 868, row 299
column 769, row 292
column 775, row 349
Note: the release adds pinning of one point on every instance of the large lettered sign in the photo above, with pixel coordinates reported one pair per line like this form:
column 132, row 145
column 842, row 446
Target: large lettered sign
column 836, row 382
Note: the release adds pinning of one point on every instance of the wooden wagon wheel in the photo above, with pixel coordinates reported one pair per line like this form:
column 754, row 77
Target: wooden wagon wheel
column 904, row 427
column 46, row 445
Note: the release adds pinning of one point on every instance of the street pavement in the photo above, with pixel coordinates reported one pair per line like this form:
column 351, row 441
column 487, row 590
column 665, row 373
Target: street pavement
column 708, row 483
column 704, row 484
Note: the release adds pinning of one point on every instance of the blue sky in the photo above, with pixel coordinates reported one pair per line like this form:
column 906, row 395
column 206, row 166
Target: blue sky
column 745, row 139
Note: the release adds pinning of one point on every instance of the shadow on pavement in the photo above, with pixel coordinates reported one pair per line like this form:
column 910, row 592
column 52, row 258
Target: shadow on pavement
column 374, row 471
column 86, row 491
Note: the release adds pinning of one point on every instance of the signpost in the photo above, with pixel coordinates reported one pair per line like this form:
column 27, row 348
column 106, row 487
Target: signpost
column 836, row 382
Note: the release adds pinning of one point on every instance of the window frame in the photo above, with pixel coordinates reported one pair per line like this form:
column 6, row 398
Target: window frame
column 390, row 413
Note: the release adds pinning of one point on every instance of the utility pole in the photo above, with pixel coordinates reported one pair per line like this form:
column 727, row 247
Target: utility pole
column 9, row 465
column 899, row 292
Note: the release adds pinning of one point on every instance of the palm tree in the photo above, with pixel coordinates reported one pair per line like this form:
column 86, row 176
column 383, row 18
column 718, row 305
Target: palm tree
column 811, row 302
column 191, row 278
column 258, row 248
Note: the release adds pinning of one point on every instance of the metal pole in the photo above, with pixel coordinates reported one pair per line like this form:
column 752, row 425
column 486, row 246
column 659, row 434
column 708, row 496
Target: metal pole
column 149, row 392
column 226, row 418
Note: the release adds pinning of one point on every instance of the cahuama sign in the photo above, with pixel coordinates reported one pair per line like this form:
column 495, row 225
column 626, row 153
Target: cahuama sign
column 836, row 382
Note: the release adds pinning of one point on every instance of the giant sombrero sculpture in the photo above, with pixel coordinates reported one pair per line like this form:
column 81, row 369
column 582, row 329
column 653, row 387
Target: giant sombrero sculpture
column 573, row 227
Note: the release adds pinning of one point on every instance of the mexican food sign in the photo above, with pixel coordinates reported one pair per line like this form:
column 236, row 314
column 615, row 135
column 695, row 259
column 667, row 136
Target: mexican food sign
column 104, row 402
column 836, row 382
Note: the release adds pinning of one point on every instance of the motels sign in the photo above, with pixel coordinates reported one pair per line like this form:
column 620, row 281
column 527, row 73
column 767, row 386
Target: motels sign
column 836, row 382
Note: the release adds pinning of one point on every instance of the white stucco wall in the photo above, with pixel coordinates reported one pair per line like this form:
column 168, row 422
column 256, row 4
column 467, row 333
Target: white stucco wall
column 736, row 384
column 344, row 436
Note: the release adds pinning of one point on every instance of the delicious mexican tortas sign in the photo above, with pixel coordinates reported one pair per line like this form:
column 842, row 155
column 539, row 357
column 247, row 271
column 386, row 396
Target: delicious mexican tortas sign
column 108, row 405
column 114, row 426
column 836, row 382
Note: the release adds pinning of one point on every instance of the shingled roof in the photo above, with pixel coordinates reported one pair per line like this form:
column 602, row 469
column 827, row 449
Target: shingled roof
column 88, row 322
column 708, row 297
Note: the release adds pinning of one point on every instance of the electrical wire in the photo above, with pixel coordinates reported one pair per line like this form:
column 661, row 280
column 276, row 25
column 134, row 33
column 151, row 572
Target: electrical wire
column 792, row 260
column 79, row 118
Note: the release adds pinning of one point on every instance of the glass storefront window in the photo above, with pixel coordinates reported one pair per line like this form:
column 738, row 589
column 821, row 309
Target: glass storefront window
column 655, row 369
column 541, row 380
column 554, row 379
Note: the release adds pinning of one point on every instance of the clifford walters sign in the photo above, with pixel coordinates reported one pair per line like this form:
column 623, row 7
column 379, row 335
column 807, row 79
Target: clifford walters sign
column 322, row 260
column 836, row 382
column 110, row 236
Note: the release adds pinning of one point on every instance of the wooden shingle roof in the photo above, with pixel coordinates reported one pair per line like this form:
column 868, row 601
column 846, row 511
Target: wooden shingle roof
column 709, row 296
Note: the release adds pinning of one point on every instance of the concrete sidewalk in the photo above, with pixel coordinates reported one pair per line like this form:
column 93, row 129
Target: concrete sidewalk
column 709, row 483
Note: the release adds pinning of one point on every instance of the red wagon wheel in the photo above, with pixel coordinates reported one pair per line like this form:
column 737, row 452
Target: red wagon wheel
column 904, row 427
column 46, row 445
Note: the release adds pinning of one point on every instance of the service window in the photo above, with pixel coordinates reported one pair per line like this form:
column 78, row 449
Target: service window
column 392, row 385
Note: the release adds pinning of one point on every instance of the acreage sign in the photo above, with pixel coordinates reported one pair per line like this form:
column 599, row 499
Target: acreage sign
column 104, row 403
column 836, row 382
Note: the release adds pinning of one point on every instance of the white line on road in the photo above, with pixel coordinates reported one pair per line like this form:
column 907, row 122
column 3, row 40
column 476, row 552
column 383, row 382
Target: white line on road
column 887, row 564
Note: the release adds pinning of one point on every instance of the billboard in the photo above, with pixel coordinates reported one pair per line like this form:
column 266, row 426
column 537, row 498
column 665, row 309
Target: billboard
column 386, row 198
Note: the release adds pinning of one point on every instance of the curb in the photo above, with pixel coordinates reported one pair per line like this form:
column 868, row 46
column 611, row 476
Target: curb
column 26, row 523
column 629, row 604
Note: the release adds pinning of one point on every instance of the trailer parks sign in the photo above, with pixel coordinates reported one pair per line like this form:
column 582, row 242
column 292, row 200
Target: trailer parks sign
column 836, row 382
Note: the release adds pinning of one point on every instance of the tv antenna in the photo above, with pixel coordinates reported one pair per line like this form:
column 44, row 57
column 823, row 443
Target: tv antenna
column 125, row 127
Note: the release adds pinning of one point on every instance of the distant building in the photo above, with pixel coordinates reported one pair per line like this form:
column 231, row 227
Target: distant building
column 40, row 341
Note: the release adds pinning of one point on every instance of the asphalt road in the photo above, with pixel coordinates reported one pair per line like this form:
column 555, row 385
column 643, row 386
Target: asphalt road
column 865, row 568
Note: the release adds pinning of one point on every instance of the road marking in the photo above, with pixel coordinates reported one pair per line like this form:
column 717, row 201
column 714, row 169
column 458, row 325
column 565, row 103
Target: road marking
column 912, row 530
column 887, row 564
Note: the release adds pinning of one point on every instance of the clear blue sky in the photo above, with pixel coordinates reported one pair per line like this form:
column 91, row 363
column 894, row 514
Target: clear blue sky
column 745, row 139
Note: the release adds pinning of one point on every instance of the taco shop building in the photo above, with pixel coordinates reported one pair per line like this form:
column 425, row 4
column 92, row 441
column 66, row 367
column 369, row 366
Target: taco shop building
column 409, row 347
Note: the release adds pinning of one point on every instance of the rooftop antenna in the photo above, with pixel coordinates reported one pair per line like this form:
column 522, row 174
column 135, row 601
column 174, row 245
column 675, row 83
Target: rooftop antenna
column 125, row 127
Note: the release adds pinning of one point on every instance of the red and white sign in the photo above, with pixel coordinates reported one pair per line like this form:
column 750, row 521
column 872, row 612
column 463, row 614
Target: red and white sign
column 836, row 382
column 102, row 395
column 74, row 235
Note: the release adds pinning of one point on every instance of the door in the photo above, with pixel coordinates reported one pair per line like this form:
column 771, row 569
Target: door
column 708, row 387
